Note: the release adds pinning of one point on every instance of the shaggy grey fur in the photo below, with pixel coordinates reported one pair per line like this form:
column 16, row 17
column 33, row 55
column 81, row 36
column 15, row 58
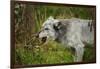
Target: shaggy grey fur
column 70, row 32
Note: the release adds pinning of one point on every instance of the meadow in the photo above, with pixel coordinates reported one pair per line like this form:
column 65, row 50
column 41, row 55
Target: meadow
column 28, row 22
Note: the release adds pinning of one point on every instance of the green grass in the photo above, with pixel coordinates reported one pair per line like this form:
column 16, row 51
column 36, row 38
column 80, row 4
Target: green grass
column 46, row 54
column 51, row 53
column 89, row 54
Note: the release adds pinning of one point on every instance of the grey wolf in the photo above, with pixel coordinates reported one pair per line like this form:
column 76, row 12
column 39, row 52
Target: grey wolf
column 71, row 32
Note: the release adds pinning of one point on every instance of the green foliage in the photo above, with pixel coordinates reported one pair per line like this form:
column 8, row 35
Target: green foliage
column 46, row 54
column 29, row 19
column 50, row 53
column 89, row 54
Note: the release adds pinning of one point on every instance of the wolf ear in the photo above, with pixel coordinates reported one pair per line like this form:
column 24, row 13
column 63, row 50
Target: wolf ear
column 48, row 20
column 57, row 26
column 51, row 18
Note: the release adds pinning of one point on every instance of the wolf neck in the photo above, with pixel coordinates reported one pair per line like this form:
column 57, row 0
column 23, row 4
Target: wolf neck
column 61, row 36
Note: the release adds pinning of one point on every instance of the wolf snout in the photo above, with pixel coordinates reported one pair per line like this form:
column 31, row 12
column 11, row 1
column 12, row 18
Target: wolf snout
column 43, row 38
column 37, row 35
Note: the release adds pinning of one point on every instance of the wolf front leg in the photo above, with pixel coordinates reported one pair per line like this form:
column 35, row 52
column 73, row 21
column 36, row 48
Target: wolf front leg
column 79, row 52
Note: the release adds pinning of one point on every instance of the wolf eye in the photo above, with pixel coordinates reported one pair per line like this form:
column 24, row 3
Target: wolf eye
column 56, row 28
column 46, row 29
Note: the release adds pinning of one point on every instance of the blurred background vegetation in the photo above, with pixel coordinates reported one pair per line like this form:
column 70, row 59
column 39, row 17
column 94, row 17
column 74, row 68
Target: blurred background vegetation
column 28, row 21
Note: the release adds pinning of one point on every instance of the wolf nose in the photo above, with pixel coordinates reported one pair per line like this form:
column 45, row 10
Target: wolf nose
column 37, row 35
column 44, row 39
